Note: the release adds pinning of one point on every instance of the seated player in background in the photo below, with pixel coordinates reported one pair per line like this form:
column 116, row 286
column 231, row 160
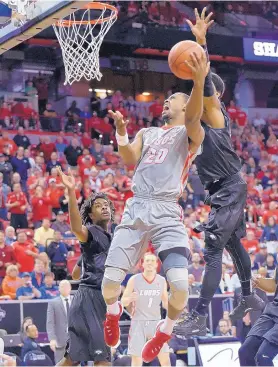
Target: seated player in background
column 261, row 344
column 87, row 311
column 146, row 291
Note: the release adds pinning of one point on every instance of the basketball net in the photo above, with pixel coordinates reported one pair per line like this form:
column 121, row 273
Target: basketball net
column 80, row 41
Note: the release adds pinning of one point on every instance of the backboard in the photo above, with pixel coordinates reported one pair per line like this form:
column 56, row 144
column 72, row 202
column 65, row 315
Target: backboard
column 23, row 19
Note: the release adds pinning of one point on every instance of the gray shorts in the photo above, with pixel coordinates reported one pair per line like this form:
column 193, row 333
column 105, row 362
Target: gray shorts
column 139, row 333
column 145, row 221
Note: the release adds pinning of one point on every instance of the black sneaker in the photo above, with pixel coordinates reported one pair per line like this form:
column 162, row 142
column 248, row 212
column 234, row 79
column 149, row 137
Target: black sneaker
column 193, row 324
column 246, row 304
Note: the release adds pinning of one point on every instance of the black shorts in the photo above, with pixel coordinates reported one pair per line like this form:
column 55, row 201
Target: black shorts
column 266, row 326
column 19, row 221
column 86, row 316
column 227, row 199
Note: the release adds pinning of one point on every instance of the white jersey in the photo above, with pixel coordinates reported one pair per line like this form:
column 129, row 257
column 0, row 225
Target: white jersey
column 163, row 168
column 147, row 306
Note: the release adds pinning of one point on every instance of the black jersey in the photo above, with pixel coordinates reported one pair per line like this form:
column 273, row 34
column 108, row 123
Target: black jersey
column 217, row 159
column 94, row 253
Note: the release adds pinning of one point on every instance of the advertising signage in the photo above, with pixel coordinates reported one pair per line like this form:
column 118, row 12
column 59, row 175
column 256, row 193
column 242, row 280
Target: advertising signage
column 260, row 50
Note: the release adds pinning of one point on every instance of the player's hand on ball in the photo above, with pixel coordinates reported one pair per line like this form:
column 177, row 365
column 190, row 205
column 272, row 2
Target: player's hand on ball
column 67, row 180
column 202, row 24
column 119, row 121
column 199, row 67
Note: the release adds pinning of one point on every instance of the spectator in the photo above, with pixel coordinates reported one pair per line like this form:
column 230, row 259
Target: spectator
column 5, row 169
column 21, row 165
column 5, row 115
column 61, row 225
column 30, row 343
column 27, row 155
column 7, row 256
column 250, row 243
column 270, row 265
column 27, row 291
column 30, row 90
column 195, row 268
column 54, row 193
column 72, row 152
column 25, row 253
column 60, row 146
column 95, row 181
column 241, row 118
column 223, row 326
column 259, row 121
column 44, row 234
column 58, row 253
column 153, row 11
column 30, row 116
column 11, row 282
column 261, row 255
column 37, row 276
column 98, row 152
column 225, row 284
column 116, row 99
column 4, row 191
column 53, row 162
column 271, row 212
column 95, row 103
column 156, row 108
column 49, row 290
column 194, row 288
column 17, row 205
column 42, row 87
column 254, row 264
column 270, row 232
column 49, row 120
column 22, row 140
column 41, row 207
column 10, row 237
column 64, row 202
column 7, row 145
column 86, row 114
column 132, row 9
column 47, row 147
column 26, row 322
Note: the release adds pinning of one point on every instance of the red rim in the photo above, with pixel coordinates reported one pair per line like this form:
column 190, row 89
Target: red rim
column 93, row 6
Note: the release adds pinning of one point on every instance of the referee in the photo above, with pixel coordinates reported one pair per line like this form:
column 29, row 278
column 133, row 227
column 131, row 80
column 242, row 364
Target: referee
column 87, row 311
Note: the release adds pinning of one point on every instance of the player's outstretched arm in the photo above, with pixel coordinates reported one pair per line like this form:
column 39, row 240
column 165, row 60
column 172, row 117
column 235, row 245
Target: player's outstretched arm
column 213, row 115
column 267, row 285
column 194, row 106
column 80, row 231
column 130, row 153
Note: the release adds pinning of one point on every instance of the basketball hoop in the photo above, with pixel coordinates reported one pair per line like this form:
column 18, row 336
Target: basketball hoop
column 80, row 41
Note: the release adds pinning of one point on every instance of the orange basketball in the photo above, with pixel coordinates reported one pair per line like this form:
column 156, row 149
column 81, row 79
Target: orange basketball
column 181, row 53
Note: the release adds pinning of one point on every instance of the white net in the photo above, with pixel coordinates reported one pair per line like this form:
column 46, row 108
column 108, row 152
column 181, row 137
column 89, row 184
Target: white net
column 80, row 42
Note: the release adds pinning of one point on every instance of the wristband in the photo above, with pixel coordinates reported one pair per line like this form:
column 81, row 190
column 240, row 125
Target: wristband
column 122, row 140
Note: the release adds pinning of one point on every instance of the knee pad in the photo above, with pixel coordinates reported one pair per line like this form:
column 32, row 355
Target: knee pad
column 111, row 282
column 178, row 282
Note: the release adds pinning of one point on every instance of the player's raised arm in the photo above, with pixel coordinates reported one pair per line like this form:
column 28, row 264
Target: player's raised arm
column 130, row 153
column 213, row 115
column 80, row 231
column 194, row 106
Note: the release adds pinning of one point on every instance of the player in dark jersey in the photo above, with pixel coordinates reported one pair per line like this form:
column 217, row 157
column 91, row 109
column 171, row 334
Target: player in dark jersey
column 219, row 170
column 87, row 311
column 261, row 343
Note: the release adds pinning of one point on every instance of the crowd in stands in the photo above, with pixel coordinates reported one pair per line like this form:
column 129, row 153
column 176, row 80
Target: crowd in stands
column 34, row 204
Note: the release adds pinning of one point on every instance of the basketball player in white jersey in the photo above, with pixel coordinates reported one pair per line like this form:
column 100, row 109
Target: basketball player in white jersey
column 146, row 291
column 162, row 157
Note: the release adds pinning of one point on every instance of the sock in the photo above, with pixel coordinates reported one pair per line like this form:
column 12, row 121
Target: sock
column 202, row 306
column 168, row 326
column 114, row 309
column 246, row 287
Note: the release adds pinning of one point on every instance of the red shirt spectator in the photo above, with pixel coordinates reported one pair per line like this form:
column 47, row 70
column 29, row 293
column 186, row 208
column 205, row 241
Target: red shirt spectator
column 241, row 118
column 7, row 256
column 5, row 111
column 156, row 108
column 93, row 123
column 29, row 112
column 105, row 127
column 86, row 140
column 25, row 253
column 250, row 243
column 18, row 109
column 122, row 110
column 110, row 156
column 47, row 147
column 16, row 201
column 271, row 212
column 40, row 205
column 132, row 129
column 153, row 10
column 132, row 8
column 54, row 193
column 232, row 111
column 7, row 145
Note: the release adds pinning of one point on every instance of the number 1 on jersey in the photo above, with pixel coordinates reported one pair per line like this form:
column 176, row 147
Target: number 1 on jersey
column 150, row 302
